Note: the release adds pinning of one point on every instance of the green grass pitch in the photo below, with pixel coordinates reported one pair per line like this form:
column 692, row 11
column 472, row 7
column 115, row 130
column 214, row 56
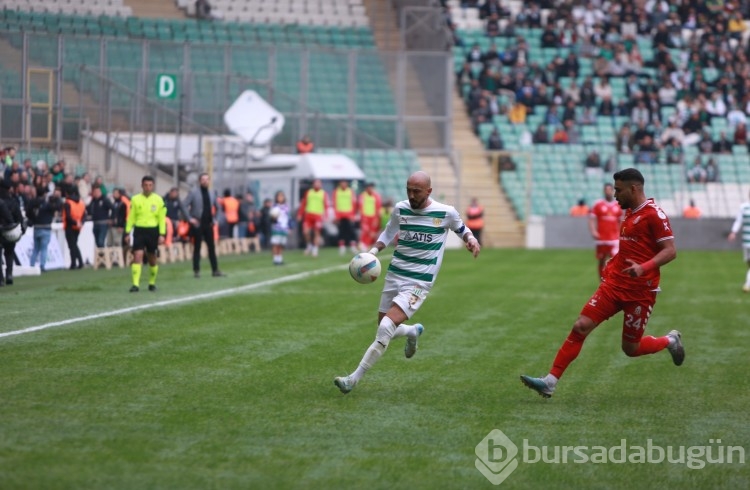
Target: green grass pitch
column 235, row 391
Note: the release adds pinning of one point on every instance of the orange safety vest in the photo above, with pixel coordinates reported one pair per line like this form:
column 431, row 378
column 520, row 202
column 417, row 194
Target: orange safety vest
column 77, row 212
column 126, row 201
column 579, row 210
column 691, row 213
column 303, row 147
column 474, row 218
column 231, row 209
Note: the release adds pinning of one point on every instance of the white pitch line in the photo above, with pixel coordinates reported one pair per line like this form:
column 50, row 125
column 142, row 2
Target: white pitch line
column 170, row 302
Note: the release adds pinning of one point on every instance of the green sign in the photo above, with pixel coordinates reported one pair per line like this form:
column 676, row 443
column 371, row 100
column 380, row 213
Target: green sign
column 166, row 86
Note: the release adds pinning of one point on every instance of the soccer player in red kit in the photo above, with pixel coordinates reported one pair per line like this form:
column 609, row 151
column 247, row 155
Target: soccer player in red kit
column 604, row 225
column 629, row 284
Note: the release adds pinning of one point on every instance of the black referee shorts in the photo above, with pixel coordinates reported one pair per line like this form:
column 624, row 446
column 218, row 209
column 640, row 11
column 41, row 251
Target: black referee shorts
column 146, row 239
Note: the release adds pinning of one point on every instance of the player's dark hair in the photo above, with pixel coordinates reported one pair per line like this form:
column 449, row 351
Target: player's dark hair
column 629, row 175
column 147, row 178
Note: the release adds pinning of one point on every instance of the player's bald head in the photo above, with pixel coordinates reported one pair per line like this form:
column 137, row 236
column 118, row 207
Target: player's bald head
column 420, row 178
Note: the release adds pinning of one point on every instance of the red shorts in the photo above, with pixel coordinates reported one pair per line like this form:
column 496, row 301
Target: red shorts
column 606, row 251
column 370, row 226
column 636, row 307
column 313, row 222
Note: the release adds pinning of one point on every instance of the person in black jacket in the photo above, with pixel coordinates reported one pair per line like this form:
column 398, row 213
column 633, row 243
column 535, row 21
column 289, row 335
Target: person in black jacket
column 100, row 210
column 44, row 210
column 9, row 247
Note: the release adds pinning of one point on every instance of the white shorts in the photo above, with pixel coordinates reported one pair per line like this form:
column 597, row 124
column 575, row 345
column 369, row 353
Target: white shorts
column 279, row 240
column 407, row 295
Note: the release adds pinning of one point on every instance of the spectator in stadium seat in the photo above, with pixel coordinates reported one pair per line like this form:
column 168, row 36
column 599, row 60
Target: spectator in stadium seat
column 740, row 134
column 697, row 174
column 667, row 94
column 588, row 117
column 464, row 76
column 550, row 38
column 492, row 26
column 606, row 107
column 573, row 92
column 587, row 92
column 541, row 135
column 716, row 106
column 672, row 133
column 517, row 113
column 674, row 152
column 593, row 164
column 712, row 171
column 602, row 89
column 552, row 117
column 481, row 114
column 495, row 141
column 203, row 9
column 735, row 116
column 723, row 144
column 574, row 137
column 706, row 143
column 647, row 151
column 560, row 136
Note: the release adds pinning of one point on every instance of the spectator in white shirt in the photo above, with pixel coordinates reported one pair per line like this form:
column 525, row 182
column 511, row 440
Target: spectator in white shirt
column 716, row 106
column 736, row 116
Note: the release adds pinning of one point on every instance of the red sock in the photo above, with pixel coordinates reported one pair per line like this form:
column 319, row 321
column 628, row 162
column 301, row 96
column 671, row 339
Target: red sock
column 567, row 354
column 651, row 345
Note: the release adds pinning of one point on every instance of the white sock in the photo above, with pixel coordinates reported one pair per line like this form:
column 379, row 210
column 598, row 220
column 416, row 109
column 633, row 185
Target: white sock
column 372, row 355
column 315, row 250
column 747, row 279
column 550, row 380
column 403, row 330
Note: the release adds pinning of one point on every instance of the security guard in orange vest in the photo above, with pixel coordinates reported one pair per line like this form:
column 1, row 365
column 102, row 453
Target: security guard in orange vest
column 345, row 211
column 231, row 207
column 475, row 219
column 74, row 212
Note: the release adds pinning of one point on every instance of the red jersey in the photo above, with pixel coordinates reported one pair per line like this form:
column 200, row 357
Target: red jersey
column 608, row 215
column 640, row 234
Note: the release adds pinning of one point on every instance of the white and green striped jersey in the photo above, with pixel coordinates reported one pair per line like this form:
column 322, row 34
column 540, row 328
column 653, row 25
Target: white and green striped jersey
column 742, row 221
column 422, row 234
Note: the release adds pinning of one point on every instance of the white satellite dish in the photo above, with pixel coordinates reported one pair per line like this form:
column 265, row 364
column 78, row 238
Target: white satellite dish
column 253, row 119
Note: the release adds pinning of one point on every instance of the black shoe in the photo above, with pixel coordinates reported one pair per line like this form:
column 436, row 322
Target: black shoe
column 218, row 273
column 134, row 289
column 151, row 287
column 9, row 280
column 197, row 274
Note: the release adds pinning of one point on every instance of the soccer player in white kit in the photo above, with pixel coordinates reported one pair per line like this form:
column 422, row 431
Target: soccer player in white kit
column 422, row 227
column 741, row 225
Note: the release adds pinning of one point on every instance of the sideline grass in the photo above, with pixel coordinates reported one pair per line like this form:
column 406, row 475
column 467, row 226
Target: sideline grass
column 237, row 392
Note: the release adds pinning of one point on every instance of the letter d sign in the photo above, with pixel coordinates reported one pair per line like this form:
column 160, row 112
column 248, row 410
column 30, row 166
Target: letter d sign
column 166, row 86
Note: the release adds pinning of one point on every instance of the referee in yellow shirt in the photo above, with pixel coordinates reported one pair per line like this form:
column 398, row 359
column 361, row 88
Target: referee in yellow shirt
column 148, row 224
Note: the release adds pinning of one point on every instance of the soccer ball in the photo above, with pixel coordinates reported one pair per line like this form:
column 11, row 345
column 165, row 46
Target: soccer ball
column 275, row 213
column 364, row 268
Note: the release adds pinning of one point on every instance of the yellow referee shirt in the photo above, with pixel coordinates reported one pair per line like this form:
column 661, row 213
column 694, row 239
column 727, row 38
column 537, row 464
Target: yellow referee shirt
column 147, row 212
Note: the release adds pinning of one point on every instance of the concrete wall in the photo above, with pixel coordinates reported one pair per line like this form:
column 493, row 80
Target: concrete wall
column 569, row 232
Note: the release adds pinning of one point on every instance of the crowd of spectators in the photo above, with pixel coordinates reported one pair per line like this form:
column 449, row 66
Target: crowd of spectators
column 696, row 73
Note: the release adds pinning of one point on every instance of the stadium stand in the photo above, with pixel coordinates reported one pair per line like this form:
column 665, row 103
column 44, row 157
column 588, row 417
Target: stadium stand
column 640, row 53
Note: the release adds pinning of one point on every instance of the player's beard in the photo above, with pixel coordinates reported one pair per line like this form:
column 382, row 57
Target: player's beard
column 417, row 204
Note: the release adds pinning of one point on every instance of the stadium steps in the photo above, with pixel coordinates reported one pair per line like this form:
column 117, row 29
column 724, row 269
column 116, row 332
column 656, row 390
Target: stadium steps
column 382, row 17
column 160, row 9
column 11, row 56
column 478, row 179
column 422, row 134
